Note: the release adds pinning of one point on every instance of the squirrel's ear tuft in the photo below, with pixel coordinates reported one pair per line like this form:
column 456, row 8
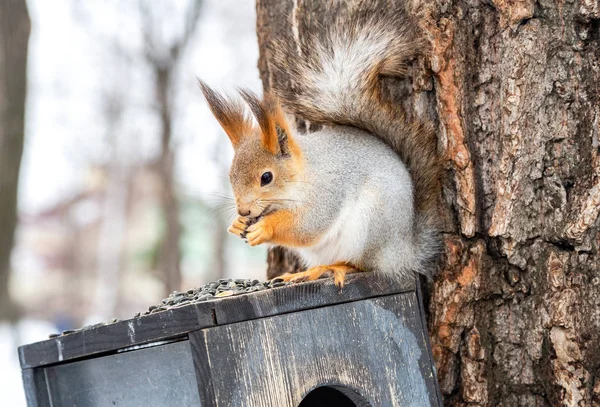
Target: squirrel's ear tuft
column 229, row 113
column 274, row 130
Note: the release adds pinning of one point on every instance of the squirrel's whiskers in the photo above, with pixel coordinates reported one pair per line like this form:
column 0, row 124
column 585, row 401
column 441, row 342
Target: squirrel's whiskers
column 361, row 193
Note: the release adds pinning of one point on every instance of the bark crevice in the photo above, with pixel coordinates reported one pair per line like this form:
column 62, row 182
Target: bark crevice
column 514, row 87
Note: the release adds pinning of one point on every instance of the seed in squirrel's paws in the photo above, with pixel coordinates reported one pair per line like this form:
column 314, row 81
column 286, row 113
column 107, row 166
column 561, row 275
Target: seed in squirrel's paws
column 309, row 188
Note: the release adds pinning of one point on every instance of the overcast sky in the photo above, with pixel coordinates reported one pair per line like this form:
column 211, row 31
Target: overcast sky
column 73, row 65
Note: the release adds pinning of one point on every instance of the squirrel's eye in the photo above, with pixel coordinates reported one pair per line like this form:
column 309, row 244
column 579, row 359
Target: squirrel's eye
column 266, row 178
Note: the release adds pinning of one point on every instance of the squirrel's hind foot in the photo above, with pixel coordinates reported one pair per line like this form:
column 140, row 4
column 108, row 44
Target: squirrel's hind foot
column 339, row 271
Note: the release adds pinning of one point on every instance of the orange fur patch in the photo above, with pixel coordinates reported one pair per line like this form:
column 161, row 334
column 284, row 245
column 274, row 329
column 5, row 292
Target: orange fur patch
column 339, row 271
column 274, row 129
column 284, row 228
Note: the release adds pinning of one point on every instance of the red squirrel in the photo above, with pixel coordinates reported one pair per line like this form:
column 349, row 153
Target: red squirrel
column 361, row 193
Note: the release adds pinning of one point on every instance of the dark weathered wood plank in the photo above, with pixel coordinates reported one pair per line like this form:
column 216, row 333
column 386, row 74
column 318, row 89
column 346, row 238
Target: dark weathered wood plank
column 153, row 327
column 377, row 347
column 36, row 391
column 153, row 377
column 199, row 348
column 180, row 321
column 422, row 313
column 308, row 295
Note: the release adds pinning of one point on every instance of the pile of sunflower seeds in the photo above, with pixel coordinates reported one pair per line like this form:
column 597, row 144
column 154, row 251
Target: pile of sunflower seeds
column 211, row 291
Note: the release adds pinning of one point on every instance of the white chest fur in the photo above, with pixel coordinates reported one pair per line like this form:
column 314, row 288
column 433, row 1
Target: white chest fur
column 346, row 239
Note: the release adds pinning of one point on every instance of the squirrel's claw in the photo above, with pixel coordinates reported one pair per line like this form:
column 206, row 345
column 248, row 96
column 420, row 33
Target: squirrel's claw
column 311, row 274
column 239, row 226
column 339, row 271
column 259, row 233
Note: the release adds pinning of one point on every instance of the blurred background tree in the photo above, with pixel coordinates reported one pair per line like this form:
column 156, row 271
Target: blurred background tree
column 164, row 56
column 124, row 194
column 14, row 37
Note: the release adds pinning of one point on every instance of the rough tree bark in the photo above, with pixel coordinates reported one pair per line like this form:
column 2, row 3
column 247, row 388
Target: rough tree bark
column 14, row 37
column 514, row 87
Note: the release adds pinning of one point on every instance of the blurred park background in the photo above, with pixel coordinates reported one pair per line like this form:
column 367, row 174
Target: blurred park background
column 120, row 193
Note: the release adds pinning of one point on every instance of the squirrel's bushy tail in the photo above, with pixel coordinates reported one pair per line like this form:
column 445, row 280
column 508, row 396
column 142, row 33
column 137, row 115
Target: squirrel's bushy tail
column 331, row 73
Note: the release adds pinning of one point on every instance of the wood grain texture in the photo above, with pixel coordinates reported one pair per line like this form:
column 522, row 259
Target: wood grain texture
column 180, row 321
column 154, row 377
column 36, row 391
column 308, row 295
column 376, row 347
column 153, row 327
column 270, row 348
column 202, row 367
column 514, row 87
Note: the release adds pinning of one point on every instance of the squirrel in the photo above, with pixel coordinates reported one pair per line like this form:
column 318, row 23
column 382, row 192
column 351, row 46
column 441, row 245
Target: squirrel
column 361, row 193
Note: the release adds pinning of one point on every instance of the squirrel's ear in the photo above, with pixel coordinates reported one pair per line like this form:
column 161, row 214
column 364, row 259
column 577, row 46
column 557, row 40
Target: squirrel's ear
column 229, row 113
column 274, row 130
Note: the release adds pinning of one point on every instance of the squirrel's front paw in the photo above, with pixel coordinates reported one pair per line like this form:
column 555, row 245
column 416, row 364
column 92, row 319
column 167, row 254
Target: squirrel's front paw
column 239, row 226
column 259, row 233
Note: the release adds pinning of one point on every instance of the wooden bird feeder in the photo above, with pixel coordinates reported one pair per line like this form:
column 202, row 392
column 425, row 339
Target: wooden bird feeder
column 305, row 344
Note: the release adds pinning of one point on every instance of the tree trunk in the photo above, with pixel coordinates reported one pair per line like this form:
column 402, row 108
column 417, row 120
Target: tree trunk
column 514, row 87
column 14, row 38
column 164, row 58
column 218, row 259
column 170, row 254
column 281, row 261
column 219, row 223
